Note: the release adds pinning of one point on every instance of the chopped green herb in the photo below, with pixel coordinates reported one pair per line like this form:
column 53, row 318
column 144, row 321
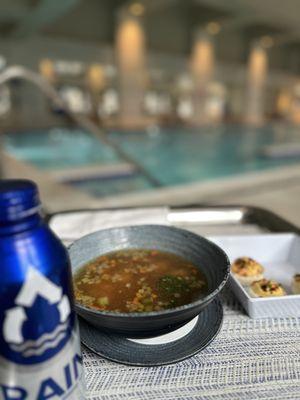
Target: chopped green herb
column 171, row 284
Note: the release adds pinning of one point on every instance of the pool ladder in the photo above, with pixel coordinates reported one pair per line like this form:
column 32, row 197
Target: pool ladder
column 21, row 73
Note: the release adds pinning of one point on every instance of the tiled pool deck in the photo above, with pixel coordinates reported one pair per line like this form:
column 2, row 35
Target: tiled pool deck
column 277, row 190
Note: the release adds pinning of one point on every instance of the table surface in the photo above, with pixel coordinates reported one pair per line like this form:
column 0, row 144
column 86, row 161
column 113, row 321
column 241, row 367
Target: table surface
column 249, row 359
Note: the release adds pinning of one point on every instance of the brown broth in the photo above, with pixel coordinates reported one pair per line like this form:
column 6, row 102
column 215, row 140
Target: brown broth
column 138, row 280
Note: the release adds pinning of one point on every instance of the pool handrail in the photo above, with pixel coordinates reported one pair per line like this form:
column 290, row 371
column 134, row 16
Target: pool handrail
column 19, row 72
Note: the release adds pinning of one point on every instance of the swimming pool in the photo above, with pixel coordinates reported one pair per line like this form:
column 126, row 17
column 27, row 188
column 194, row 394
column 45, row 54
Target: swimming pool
column 172, row 156
column 59, row 148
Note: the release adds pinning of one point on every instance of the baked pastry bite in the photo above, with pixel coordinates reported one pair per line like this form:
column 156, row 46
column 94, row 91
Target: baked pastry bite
column 247, row 270
column 266, row 288
column 296, row 284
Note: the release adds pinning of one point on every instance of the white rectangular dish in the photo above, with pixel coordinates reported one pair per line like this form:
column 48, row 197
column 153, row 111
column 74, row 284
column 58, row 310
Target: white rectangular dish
column 280, row 256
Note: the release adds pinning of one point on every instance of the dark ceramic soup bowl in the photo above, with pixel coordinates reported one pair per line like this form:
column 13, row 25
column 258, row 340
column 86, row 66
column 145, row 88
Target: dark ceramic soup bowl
column 205, row 255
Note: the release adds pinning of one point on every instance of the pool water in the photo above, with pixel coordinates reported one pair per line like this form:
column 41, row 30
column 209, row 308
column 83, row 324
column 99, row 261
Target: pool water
column 172, row 156
column 118, row 185
column 182, row 156
column 59, row 148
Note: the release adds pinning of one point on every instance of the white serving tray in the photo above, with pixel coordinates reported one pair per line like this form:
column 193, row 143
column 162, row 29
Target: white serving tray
column 280, row 256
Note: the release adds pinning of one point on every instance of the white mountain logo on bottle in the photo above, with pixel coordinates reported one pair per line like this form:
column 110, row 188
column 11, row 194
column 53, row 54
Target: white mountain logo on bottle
column 35, row 285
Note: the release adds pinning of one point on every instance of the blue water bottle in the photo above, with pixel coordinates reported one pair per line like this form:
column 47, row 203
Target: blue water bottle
column 40, row 355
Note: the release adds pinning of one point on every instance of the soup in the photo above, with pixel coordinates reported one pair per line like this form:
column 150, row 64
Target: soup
column 138, row 280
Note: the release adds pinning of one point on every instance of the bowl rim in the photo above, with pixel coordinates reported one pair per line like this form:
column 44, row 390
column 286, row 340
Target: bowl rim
column 169, row 311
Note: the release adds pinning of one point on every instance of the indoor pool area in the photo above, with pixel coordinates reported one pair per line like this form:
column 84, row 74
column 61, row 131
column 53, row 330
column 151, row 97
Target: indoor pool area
column 150, row 200
column 176, row 156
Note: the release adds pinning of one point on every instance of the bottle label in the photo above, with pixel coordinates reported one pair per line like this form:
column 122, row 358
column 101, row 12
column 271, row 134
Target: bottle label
column 37, row 322
column 58, row 378
column 40, row 354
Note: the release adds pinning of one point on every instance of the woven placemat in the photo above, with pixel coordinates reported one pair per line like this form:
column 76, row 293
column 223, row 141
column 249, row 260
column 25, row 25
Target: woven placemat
column 250, row 359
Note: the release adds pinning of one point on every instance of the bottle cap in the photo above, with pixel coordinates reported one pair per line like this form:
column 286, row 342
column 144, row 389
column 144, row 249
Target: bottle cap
column 18, row 199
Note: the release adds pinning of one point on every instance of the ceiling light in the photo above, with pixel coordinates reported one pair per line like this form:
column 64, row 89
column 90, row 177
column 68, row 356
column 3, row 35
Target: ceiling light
column 213, row 28
column 137, row 9
column 267, row 41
